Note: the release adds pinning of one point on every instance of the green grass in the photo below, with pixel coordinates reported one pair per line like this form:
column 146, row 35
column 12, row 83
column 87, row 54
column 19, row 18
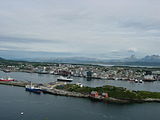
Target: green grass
column 115, row 92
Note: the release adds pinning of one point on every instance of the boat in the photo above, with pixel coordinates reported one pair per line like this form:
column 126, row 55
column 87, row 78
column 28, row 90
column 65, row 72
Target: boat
column 65, row 79
column 140, row 81
column 149, row 78
column 32, row 88
column 6, row 70
column 136, row 81
column 7, row 79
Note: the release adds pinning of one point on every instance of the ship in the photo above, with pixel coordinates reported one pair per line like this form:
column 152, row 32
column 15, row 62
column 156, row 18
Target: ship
column 6, row 70
column 149, row 78
column 65, row 79
column 7, row 79
column 32, row 88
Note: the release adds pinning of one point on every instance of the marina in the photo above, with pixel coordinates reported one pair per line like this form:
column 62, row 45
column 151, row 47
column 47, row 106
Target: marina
column 64, row 89
column 46, row 78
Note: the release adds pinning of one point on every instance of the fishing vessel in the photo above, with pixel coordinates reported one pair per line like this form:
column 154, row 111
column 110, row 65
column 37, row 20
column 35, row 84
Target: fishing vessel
column 65, row 79
column 7, row 79
column 32, row 88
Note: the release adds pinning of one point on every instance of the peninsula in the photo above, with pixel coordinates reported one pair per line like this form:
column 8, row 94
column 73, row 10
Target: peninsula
column 114, row 94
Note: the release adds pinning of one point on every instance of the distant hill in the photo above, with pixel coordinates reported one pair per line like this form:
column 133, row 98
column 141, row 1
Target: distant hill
column 2, row 58
column 153, row 60
column 133, row 58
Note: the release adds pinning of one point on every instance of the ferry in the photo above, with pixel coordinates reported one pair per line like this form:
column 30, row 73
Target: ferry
column 7, row 79
column 149, row 78
column 65, row 79
column 6, row 70
column 32, row 88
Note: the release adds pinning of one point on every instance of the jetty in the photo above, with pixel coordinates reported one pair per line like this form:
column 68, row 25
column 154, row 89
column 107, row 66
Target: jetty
column 73, row 90
column 15, row 83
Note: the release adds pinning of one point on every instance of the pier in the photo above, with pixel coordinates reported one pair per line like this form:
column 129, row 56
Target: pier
column 50, row 88
column 46, row 88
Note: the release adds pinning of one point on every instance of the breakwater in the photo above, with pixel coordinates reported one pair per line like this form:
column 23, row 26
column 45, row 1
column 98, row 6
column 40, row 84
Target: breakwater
column 51, row 89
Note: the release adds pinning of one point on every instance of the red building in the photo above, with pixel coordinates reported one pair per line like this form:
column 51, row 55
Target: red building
column 94, row 94
column 105, row 95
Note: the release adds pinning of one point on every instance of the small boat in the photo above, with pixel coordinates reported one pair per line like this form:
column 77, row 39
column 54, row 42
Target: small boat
column 79, row 84
column 7, row 79
column 136, row 81
column 65, row 79
column 32, row 88
column 140, row 81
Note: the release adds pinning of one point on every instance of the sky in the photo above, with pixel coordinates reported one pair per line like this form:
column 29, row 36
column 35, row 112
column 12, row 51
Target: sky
column 110, row 28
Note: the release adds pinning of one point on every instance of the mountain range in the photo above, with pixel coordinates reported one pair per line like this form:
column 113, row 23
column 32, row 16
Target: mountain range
column 152, row 60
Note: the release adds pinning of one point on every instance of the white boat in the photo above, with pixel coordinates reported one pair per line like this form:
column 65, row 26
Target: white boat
column 79, row 84
column 140, row 81
column 65, row 79
column 136, row 81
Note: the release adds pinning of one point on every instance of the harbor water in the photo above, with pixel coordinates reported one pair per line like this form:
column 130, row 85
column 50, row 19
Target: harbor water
column 15, row 101
column 18, row 104
column 45, row 78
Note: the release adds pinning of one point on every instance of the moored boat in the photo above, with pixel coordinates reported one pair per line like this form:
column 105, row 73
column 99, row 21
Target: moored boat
column 7, row 79
column 65, row 79
column 136, row 81
column 6, row 70
column 149, row 78
column 140, row 81
column 32, row 88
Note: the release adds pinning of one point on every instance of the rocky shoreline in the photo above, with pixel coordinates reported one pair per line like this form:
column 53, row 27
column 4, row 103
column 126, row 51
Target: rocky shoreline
column 55, row 91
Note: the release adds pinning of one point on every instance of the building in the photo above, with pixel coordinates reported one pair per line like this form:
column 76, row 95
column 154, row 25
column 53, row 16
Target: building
column 105, row 95
column 94, row 94
column 89, row 74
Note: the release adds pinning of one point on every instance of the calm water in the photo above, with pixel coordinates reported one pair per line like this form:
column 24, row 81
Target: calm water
column 14, row 100
column 45, row 78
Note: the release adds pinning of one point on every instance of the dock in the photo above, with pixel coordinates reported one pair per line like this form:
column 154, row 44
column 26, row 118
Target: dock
column 46, row 88
column 15, row 83
column 50, row 88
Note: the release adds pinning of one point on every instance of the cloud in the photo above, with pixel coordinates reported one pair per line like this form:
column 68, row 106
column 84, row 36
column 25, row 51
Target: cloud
column 27, row 40
column 85, row 26
column 132, row 50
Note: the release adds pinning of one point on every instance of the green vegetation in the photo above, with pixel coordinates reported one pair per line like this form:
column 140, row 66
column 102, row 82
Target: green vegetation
column 115, row 92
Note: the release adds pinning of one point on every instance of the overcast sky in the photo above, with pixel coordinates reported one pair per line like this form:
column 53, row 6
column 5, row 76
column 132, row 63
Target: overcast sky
column 81, row 26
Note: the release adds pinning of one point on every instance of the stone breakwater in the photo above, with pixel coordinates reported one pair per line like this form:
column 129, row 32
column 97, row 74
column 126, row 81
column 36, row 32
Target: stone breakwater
column 67, row 93
column 47, row 89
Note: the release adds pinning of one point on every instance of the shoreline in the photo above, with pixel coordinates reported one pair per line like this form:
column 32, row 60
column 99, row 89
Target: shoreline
column 60, row 92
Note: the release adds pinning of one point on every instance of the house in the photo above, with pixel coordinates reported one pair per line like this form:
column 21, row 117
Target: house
column 105, row 95
column 79, row 84
column 94, row 94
